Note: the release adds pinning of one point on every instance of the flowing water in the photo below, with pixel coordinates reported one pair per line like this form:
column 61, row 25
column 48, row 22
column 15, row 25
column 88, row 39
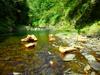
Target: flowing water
column 15, row 58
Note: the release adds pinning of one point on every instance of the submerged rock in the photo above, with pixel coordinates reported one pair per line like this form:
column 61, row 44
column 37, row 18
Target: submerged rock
column 69, row 57
column 51, row 64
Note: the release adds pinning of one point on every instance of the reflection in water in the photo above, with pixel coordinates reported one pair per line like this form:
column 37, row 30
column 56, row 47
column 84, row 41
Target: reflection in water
column 52, row 64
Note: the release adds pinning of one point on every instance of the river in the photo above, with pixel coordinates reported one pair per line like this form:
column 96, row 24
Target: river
column 43, row 59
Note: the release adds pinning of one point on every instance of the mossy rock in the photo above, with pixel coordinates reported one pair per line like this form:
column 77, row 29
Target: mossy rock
column 94, row 29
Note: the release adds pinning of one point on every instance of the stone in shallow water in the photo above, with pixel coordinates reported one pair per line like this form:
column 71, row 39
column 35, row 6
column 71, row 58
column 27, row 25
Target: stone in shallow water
column 87, row 68
column 66, row 49
column 69, row 57
column 93, row 73
column 30, row 45
column 89, row 57
column 17, row 73
column 29, row 38
column 51, row 37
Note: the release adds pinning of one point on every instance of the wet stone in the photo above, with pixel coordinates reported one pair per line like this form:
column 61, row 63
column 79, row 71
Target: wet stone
column 69, row 57
column 47, row 61
column 95, row 65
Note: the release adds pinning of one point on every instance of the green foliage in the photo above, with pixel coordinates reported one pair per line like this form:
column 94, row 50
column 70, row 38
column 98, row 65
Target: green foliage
column 80, row 13
column 12, row 13
column 61, row 14
column 43, row 11
column 94, row 29
column 51, row 12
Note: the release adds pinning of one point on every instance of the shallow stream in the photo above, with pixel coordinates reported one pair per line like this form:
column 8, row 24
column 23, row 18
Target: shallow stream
column 15, row 59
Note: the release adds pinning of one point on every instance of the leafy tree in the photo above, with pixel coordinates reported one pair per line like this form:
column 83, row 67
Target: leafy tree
column 67, row 13
column 12, row 13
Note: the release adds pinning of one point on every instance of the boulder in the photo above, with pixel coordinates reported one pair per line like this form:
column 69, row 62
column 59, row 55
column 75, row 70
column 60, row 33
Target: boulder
column 69, row 57
column 89, row 57
column 95, row 65
column 66, row 49
column 29, row 38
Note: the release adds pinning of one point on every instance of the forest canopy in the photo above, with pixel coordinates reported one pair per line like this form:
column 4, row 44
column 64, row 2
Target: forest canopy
column 60, row 13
